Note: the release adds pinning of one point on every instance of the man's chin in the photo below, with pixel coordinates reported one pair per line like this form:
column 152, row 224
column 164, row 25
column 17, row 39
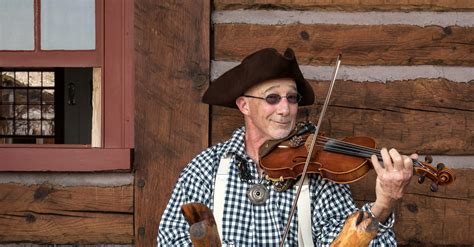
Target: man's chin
column 280, row 134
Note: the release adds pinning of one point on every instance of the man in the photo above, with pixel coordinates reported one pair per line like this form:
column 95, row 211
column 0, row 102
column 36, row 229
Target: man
column 267, row 88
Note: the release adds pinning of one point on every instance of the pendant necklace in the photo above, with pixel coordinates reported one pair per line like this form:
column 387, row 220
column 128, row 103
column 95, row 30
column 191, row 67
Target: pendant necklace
column 257, row 193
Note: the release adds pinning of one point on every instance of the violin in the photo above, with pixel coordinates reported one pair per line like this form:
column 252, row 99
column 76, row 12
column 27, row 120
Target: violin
column 341, row 161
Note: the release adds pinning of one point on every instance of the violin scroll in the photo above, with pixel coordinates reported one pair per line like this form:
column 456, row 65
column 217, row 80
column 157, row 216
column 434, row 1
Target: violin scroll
column 439, row 175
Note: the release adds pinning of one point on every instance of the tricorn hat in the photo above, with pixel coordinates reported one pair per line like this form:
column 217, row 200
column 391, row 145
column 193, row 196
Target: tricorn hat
column 263, row 65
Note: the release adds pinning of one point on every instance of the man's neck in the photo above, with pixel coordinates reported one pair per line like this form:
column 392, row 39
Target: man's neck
column 253, row 141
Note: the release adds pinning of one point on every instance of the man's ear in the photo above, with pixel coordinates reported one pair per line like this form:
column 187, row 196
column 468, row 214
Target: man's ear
column 243, row 105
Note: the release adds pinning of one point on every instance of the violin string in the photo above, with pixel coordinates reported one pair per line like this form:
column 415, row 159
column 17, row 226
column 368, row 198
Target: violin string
column 339, row 146
column 363, row 151
column 348, row 144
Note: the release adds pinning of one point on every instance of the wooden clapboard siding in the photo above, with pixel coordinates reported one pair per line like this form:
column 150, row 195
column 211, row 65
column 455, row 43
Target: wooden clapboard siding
column 433, row 116
column 360, row 45
column 54, row 214
column 172, row 70
column 366, row 5
column 438, row 218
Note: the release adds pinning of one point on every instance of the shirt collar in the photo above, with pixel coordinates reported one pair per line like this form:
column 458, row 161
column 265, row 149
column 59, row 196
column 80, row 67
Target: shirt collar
column 236, row 144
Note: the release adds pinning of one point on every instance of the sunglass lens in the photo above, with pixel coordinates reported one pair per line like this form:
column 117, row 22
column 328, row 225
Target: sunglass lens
column 293, row 98
column 273, row 99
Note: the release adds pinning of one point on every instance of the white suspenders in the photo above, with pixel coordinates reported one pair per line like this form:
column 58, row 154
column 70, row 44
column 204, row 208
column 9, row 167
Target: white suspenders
column 305, row 234
column 305, row 237
column 220, row 187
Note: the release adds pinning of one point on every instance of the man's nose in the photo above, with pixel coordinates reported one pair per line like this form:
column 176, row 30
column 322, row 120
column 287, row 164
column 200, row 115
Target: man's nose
column 283, row 107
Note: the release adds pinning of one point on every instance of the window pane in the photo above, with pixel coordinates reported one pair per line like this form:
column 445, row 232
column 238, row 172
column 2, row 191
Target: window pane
column 21, row 127
column 48, row 79
column 34, row 96
column 48, row 96
column 21, row 112
column 48, row 111
column 34, row 79
column 68, row 25
column 21, row 96
column 7, row 79
column 48, row 128
column 7, row 96
column 35, row 128
column 6, row 127
column 6, row 111
column 21, row 79
column 34, row 112
column 17, row 25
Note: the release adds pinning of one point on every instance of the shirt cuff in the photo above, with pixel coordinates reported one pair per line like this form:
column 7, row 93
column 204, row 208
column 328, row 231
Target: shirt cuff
column 387, row 225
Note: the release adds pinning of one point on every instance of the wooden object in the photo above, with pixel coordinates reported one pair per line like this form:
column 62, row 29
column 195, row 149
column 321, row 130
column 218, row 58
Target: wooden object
column 172, row 70
column 203, row 229
column 320, row 44
column 338, row 5
column 358, row 230
column 96, row 108
column 62, row 215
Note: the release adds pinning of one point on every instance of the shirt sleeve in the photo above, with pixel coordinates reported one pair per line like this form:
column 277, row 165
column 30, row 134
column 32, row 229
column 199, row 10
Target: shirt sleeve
column 331, row 204
column 193, row 186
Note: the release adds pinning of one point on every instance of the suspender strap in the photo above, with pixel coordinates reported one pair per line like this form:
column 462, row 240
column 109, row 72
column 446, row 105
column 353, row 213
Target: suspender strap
column 305, row 233
column 220, row 187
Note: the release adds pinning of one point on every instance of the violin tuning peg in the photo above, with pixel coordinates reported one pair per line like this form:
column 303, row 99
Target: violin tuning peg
column 421, row 179
column 429, row 158
column 440, row 166
column 434, row 187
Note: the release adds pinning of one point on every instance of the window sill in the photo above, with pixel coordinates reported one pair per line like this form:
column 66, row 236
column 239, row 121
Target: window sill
column 64, row 159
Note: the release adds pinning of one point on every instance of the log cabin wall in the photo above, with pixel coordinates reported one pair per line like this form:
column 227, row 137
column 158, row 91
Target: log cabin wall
column 406, row 79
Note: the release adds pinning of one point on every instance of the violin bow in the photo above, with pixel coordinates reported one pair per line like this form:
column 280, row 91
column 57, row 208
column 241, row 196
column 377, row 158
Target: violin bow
column 310, row 153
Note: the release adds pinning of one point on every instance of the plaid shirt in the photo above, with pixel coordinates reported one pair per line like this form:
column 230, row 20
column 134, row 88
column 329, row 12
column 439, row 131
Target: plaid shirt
column 246, row 224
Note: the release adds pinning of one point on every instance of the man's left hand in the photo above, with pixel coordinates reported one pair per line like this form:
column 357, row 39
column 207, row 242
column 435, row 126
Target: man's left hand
column 392, row 178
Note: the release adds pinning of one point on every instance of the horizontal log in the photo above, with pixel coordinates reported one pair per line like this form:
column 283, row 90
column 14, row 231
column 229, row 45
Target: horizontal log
column 424, row 217
column 53, row 214
column 431, row 116
column 360, row 45
column 366, row 5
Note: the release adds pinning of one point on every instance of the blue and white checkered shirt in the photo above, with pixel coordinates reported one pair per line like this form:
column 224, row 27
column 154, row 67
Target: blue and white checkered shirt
column 246, row 224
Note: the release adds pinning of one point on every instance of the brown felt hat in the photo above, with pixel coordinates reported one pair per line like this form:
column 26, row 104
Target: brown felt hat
column 263, row 65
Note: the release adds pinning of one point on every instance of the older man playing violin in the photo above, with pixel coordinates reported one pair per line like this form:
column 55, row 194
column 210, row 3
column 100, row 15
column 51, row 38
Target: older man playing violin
column 267, row 88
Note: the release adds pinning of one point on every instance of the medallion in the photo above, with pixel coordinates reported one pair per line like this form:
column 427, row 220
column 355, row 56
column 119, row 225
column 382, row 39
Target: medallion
column 258, row 194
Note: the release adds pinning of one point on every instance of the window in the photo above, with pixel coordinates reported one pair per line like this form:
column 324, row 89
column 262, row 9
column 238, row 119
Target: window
column 51, row 106
column 27, row 107
column 66, row 85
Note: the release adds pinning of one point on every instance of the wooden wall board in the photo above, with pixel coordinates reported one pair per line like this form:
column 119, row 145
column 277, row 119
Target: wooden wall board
column 319, row 44
column 438, row 218
column 172, row 70
column 431, row 116
column 63, row 215
column 345, row 5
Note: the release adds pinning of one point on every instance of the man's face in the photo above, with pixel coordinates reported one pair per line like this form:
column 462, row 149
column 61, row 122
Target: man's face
column 271, row 121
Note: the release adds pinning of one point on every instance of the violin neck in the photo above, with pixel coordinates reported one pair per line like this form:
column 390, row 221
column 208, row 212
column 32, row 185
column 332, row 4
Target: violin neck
column 342, row 147
column 351, row 149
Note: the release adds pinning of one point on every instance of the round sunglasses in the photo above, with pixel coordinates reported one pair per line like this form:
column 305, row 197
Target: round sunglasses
column 273, row 98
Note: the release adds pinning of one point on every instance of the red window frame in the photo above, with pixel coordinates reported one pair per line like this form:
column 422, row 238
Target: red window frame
column 114, row 55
